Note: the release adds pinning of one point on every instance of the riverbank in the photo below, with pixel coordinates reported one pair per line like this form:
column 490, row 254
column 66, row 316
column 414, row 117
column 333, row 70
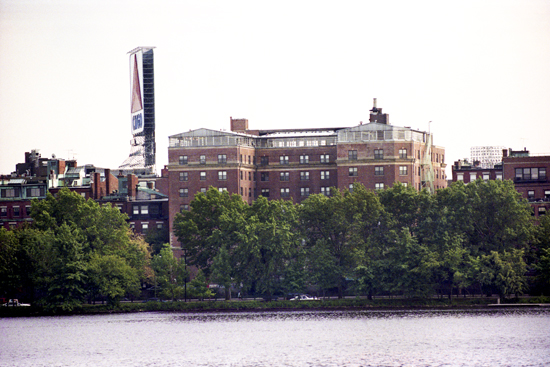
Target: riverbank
column 284, row 305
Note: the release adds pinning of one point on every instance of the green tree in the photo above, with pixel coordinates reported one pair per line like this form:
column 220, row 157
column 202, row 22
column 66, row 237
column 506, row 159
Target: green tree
column 9, row 262
column 65, row 279
column 502, row 272
column 215, row 220
column 267, row 244
column 222, row 271
column 170, row 273
column 199, row 287
column 112, row 277
column 338, row 228
column 406, row 266
column 69, row 238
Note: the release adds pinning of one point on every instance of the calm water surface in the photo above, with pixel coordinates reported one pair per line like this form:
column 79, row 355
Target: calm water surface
column 362, row 338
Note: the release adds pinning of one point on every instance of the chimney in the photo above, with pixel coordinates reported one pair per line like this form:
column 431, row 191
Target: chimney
column 132, row 186
column 239, row 125
column 96, row 184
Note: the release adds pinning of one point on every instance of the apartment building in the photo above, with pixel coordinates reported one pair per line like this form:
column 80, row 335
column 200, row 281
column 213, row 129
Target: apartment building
column 292, row 164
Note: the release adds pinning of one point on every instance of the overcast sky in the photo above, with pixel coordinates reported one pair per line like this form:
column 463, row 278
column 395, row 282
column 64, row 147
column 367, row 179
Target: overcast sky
column 478, row 70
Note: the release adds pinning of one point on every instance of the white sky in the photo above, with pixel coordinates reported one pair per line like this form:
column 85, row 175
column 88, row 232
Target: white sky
column 479, row 70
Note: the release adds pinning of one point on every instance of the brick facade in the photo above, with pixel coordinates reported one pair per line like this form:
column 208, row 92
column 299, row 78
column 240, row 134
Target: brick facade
column 295, row 163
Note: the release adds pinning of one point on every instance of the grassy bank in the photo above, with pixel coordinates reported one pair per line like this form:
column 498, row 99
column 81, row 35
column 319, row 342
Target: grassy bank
column 252, row 305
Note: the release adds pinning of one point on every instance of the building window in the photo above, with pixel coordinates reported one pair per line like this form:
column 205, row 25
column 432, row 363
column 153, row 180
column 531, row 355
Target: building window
column 202, row 159
column 144, row 226
column 184, row 176
column 203, row 190
column 283, row 159
column 325, row 158
column 547, row 194
column 352, row 155
column 403, row 170
column 222, row 189
column 460, row 177
column 10, row 193
column 542, row 210
column 184, row 207
column 304, row 176
column 325, row 190
column 352, row 171
column 145, row 210
column 264, row 160
column 533, row 173
column 35, row 191
column 379, row 171
column 222, row 175
column 403, row 153
column 499, row 176
column 184, row 193
column 379, row 186
column 379, row 154
column 285, row 176
column 350, row 187
column 249, row 192
column 325, row 175
column 531, row 194
column 241, row 191
column 135, row 210
column 473, row 176
column 265, row 193
column 222, row 158
column 183, row 159
column 16, row 211
column 27, row 210
column 485, row 176
column 159, row 225
column 203, row 175
column 285, row 192
column 3, row 211
column 304, row 191
column 304, row 159
column 264, row 176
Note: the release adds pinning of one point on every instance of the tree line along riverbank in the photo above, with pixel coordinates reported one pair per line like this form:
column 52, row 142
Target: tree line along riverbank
column 472, row 239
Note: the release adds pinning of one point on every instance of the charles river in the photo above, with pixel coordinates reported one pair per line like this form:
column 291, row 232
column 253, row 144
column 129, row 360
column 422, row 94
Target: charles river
column 509, row 337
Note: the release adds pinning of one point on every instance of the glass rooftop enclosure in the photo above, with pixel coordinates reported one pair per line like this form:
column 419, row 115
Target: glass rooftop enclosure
column 298, row 137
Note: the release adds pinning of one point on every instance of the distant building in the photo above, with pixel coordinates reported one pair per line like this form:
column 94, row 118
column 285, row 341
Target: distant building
column 146, row 207
column 528, row 172
column 295, row 163
column 486, row 156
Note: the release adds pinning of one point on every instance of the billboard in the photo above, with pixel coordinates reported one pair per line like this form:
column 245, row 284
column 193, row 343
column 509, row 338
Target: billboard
column 136, row 92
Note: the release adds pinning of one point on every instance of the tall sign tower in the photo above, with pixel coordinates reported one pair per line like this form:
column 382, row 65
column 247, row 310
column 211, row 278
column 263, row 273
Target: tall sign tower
column 142, row 158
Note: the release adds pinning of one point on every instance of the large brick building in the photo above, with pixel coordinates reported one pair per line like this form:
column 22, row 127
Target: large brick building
column 295, row 163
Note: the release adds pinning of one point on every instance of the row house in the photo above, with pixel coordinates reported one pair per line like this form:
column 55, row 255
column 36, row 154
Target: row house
column 528, row 172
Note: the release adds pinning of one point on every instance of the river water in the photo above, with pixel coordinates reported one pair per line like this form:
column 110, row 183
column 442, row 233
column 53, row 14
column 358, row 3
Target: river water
column 334, row 338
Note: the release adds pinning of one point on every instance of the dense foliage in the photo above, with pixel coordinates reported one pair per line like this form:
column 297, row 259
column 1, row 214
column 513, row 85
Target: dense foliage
column 75, row 250
column 476, row 238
